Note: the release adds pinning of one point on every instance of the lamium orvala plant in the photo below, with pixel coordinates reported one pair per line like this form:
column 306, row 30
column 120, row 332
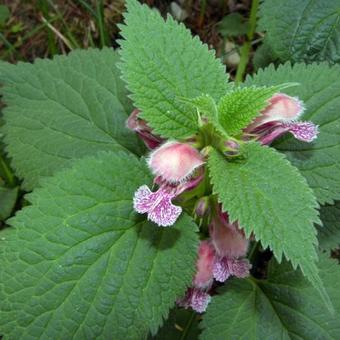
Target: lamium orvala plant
column 166, row 199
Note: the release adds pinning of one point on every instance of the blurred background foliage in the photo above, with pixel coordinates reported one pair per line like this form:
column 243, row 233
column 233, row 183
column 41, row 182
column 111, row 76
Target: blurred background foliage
column 43, row 28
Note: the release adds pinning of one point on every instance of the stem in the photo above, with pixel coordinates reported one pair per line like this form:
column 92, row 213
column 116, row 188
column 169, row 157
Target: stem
column 187, row 327
column 202, row 12
column 102, row 32
column 253, row 251
column 51, row 40
column 245, row 50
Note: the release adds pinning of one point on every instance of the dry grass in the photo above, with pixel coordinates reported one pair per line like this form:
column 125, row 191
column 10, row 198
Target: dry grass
column 42, row 28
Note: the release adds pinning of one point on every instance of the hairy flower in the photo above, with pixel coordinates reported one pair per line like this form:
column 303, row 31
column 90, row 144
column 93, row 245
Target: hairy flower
column 197, row 296
column 281, row 107
column 231, row 246
column 173, row 164
column 157, row 205
column 204, row 266
column 280, row 117
column 227, row 238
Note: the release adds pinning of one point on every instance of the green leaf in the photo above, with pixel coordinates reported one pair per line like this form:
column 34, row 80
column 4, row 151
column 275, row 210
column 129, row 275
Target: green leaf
column 79, row 263
column 320, row 90
column 305, row 31
column 285, row 306
column 269, row 197
column 8, row 198
column 233, row 24
column 182, row 324
column 206, row 108
column 238, row 108
column 329, row 233
column 63, row 109
column 263, row 56
column 161, row 62
column 204, row 104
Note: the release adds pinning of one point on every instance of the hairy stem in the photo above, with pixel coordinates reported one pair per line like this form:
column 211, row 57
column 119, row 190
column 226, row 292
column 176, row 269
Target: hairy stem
column 245, row 50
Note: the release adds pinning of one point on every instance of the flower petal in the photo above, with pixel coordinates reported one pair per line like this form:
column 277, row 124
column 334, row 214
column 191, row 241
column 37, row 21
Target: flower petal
column 174, row 161
column 304, row 131
column 204, row 265
column 141, row 201
column 224, row 267
column 195, row 298
column 157, row 205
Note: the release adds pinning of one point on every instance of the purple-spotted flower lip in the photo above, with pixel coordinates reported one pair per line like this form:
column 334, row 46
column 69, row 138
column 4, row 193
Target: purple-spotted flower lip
column 158, row 205
column 224, row 267
column 195, row 298
column 303, row 131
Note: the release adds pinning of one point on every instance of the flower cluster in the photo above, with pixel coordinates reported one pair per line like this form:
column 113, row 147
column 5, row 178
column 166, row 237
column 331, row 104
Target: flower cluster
column 221, row 256
column 173, row 165
column 179, row 167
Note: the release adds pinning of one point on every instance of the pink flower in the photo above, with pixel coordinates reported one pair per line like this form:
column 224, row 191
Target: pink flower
column 224, row 267
column 197, row 296
column 280, row 117
column 231, row 246
column 139, row 126
column 281, row 107
column 157, row 205
column 204, row 265
column 218, row 258
column 173, row 164
column 227, row 238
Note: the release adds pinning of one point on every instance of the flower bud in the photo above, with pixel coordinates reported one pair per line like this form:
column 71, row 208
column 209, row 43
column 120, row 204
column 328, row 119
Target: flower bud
column 202, row 207
column 231, row 145
column 139, row 126
column 175, row 162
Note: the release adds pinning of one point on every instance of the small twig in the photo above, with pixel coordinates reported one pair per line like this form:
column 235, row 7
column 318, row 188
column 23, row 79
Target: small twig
column 245, row 50
column 57, row 33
